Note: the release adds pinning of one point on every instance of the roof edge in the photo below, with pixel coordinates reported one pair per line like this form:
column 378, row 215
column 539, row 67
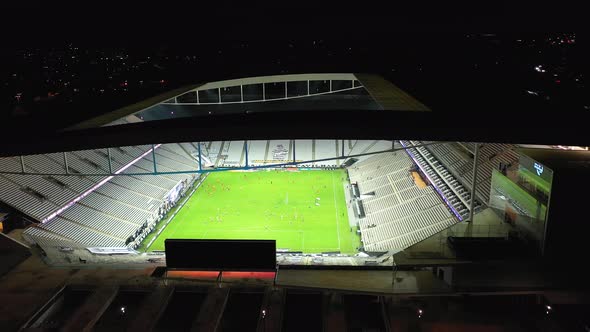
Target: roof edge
column 122, row 112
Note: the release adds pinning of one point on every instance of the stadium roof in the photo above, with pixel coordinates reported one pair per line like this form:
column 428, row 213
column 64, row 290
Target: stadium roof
column 298, row 92
column 369, row 108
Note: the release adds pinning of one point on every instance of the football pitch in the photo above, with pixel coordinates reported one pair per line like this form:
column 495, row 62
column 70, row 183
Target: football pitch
column 301, row 210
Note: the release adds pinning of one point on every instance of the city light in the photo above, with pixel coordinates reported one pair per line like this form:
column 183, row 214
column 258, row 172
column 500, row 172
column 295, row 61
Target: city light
column 540, row 69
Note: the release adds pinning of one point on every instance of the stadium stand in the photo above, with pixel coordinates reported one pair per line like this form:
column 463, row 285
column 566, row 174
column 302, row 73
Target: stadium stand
column 280, row 151
column 122, row 211
column 398, row 213
column 115, row 213
column 256, row 152
column 457, row 196
column 326, row 149
column 265, row 152
column 232, row 152
column 458, row 160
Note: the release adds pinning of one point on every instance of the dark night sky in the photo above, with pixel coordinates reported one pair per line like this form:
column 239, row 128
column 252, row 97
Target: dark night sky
column 36, row 21
column 401, row 34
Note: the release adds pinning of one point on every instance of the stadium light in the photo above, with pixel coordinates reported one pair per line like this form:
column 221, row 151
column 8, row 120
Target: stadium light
column 96, row 186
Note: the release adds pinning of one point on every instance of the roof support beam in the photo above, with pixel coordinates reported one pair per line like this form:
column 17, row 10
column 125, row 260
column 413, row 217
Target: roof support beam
column 473, row 182
column 333, row 311
column 89, row 313
column 66, row 162
column 246, row 152
column 151, row 309
column 22, row 164
column 110, row 162
column 154, row 158
column 200, row 158
column 211, row 310
column 271, row 313
column 290, row 163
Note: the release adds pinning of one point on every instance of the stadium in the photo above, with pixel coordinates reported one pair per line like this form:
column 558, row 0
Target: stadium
column 324, row 201
column 247, row 204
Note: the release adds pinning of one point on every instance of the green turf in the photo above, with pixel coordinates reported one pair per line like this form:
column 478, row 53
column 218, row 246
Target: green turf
column 518, row 194
column 540, row 183
column 270, row 204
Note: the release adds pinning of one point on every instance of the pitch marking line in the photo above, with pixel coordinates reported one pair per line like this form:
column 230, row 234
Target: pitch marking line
column 336, row 211
column 167, row 222
column 178, row 222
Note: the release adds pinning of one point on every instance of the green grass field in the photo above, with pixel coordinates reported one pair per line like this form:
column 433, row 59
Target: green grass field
column 531, row 177
column 279, row 205
column 518, row 194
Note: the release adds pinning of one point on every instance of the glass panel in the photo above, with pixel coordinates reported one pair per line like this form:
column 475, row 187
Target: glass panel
column 341, row 85
column 189, row 97
column 275, row 90
column 296, row 88
column 231, row 94
column 319, row 86
column 252, row 92
column 209, row 96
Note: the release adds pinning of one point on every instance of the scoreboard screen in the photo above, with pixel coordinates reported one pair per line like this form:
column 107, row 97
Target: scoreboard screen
column 221, row 255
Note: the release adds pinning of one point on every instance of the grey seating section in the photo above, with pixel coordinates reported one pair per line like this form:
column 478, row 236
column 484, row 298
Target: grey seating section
column 457, row 157
column 399, row 214
column 108, row 215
